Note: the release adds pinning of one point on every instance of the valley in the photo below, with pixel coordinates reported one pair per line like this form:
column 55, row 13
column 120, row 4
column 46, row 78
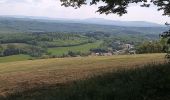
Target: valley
column 42, row 59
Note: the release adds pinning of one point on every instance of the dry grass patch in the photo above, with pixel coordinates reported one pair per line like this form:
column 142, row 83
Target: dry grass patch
column 17, row 76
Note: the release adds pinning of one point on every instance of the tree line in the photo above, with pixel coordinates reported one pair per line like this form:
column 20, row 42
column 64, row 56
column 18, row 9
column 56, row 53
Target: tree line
column 31, row 50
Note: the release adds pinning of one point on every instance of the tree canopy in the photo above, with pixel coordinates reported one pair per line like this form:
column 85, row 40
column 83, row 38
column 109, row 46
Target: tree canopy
column 118, row 6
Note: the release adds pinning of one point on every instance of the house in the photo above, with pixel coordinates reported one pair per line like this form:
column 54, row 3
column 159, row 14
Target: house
column 102, row 54
column 95, row 54
column 119, row 52
column 128, row 46
column 132, row 52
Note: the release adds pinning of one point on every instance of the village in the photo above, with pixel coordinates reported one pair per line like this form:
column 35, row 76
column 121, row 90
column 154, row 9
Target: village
column 127, row 49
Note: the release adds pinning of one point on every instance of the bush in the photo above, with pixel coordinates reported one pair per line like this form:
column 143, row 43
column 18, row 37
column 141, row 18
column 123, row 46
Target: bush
column 73, row 54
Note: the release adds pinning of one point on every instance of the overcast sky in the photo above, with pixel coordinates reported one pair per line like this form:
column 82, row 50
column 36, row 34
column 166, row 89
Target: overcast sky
column 53, row 9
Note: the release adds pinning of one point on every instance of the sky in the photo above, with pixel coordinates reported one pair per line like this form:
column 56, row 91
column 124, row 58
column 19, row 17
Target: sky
column 53, row 9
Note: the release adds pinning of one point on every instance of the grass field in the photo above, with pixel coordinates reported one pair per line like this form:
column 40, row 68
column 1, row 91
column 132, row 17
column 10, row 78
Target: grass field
column 150, row 82
column 14, row 58
column 69, row 42
column 25, row 75
column 59, row 51
column 54, row 51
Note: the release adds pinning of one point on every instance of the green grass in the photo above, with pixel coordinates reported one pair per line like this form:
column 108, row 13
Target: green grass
column 79, row 63
column 14, row 58
column 66, row 42
column 70, row 42
column 151, row 82
column 59, row 51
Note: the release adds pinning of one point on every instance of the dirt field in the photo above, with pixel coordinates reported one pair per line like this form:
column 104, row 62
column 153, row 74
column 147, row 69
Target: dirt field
column 21, row 75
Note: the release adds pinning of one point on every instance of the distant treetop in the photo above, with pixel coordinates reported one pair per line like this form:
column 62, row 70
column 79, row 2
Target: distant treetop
column 118, row 6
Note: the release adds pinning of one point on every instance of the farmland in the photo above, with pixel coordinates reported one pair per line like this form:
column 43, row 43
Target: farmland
column 81, row 48
column 24, row 75
column 48, row 39
column 49, row 44
column 62, row 44
column 150, row 82
column 58, row 51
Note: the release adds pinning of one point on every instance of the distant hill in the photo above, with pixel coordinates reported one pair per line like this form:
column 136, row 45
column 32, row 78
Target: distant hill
column 37, row 24
column 99, row 21
column 102, row 21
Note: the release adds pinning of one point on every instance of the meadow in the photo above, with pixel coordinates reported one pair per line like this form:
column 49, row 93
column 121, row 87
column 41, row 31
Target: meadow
column 150, row 82
column 14, row 58
column 20, row 76
column 85, row 48
column 57, row 51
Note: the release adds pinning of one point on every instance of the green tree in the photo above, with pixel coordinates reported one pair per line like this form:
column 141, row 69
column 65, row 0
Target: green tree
column 165, row 41
column 11, row 50
column 150, row 47
column 118, row 6
column 1, row 50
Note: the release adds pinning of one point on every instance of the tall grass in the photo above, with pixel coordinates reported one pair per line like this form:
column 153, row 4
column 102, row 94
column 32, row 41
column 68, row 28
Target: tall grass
column 151, row 82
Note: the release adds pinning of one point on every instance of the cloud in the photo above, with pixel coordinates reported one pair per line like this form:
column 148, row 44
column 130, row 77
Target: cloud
column 53, row 8
column 12, row 1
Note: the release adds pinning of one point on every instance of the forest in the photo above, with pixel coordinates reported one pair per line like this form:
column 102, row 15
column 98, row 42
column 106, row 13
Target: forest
column 55, row 44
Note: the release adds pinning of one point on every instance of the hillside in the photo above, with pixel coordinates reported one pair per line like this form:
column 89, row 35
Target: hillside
column 14, row 25
column 23, row 75
column 102, row 21
column 150, row 82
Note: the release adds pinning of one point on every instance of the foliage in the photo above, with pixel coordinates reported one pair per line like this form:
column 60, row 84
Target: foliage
column 118, row 6
column 15, row 49
column 13, row 25
column 150, row 47
column 43, row 39
column 99, row 50
column 73, row 54
column 1, row 50
column 165, row 40
column 37, row 44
